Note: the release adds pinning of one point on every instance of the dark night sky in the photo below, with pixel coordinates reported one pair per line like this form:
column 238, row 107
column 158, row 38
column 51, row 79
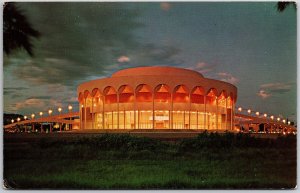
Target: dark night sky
column 250, row 45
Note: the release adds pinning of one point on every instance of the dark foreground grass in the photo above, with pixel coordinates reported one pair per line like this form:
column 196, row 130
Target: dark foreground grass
column 119, row 162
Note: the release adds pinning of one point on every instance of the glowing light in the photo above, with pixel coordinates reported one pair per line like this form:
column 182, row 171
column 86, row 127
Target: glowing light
column 257, row 113
column 50, row 111
column 41, row 113
column 18, row 119
column 70, row 107
column 25, row 117
column 32, row 116
column 289, row 122
column 81, row 106
column 272, row 117
column 59, row 109
column 278, row 119
column 265, row 115
column 240, row 109
column 283, row 120
column 249, row 111
column 12, row 121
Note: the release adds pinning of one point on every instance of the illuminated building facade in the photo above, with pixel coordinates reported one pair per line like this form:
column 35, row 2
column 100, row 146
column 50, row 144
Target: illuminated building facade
column 157, row 98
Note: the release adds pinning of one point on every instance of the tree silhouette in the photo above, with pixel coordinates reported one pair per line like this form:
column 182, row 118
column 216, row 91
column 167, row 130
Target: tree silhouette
column 281, row 6
column 17, row 31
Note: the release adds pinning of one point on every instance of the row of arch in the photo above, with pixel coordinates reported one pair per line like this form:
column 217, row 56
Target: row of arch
column 144, row 107
column 162, row 93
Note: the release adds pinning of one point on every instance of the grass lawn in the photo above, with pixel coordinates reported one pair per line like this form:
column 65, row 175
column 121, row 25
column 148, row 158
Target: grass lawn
column 126, row 162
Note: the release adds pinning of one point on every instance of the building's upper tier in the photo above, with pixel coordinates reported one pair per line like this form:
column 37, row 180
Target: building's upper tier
column 157, row 71
column 154, row 76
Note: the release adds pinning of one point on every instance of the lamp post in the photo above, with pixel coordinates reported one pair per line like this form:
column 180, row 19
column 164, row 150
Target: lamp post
column 50, row 112
column 70, row 109
column 59, row 110
column 240, row 109
column 32, row 117
column 41, row 115
column 12, row 121
column 18, row 119
column 25, row 117
column 257, row 113
column 249, row 111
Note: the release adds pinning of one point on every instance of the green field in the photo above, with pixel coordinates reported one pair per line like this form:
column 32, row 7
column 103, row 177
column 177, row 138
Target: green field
column 111, row 161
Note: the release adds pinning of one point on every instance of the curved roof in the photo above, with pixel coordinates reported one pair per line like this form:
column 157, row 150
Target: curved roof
column 157, row 70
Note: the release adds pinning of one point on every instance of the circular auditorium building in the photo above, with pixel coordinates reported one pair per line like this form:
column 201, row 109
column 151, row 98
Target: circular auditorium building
column 157, row 97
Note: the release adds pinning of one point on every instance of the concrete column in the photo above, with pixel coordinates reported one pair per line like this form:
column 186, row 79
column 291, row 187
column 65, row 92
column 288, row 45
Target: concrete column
column 226, row 114
column 217, row 113
column 190, row 111
column 134, row 109
column 93, row 113
column 103, row 118
column 172, row 112
column 118, row 107
column 205, row 126
column 84, row 127
column 153, row 108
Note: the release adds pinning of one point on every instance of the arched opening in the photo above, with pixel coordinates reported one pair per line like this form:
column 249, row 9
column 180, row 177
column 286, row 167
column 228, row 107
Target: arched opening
column 197, row 108
column 162, row 103
column 110, row 108
column 143, row 93
column 181, row 110
column 126, row 107
column 211, row 109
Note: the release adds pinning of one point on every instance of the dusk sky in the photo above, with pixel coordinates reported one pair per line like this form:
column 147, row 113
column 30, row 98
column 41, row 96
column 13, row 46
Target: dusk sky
column 250, row 45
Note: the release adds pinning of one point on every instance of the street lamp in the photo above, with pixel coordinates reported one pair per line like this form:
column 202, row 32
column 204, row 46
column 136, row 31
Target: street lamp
column 240, row 109
column 265, row 115
column 283, row 121
column 70, row 108
column 32, row 116
column 257, row 113
column 272, row 117
column 59, row 110
column 18, row 119
column 278, row 119
column 49, row 112
column 12, row 121
column 41, row 113
column 249, row 111
column 289, row 122
column 25, row 117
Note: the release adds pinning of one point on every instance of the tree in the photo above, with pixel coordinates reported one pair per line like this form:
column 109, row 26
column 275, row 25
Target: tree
column 17, row 31
column 281, row 6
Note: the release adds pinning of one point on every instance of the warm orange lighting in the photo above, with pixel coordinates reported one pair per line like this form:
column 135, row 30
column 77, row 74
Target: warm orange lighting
column 257, row 113
column 25, row 117
column 265, row 115
column 41, row 113
column 50, row 111
column 12, row 121
column 70, row 107
column 32, row 116
column 249, row 111
column 81, row 106
column 289, row 122
column 59, row 109
column 18, row 119
column 283, row 120
column 240, row 109
column 278, row 119
column 272, row 117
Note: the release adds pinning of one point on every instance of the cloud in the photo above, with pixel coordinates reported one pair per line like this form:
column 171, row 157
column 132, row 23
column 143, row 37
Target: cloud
column 122, row 59
column 34, row 105
column 263, row 94
column 67, row 53
column 165, row 6
column 277, row 87
column 270, row 89
column 203, row 67
column 227, row 77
